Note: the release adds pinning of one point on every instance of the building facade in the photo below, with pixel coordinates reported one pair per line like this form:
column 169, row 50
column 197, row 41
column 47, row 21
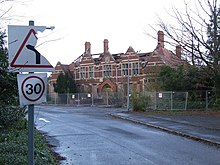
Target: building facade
column 95, row 73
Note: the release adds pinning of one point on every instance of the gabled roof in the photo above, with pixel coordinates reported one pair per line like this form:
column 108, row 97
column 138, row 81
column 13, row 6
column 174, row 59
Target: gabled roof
column 105, row 56
column 64, row 67
column 86, row 58
column 130, row 50
column 60, row 66
column 164, row 56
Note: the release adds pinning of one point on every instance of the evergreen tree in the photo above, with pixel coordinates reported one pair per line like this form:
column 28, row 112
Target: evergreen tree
column 184, row 79
column 9, row 112
column 8, row 83
column 64, row 84
column 213, row 33
column 213, row 42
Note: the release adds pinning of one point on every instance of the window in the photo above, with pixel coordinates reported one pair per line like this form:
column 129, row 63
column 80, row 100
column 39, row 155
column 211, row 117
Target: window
column 107, row 71
column 125, row 69
column 82, row 72
column 76, row 71
column 135, row 69
column 91, row 71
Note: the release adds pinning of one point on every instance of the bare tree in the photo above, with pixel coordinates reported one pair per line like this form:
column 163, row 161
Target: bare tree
column 4, row 10
column 197, row 31
column 8, row 13
column 191, row 31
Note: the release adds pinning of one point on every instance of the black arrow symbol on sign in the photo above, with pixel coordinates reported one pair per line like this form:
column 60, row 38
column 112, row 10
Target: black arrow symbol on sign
column 30, row 47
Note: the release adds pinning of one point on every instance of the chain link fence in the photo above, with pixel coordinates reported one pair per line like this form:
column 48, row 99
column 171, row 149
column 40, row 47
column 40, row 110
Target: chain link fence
column 158, row 100
column 168, row 100
column 88, row 99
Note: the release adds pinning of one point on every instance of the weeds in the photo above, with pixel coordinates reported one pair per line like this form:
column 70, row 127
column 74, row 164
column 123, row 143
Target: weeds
column 14, row 142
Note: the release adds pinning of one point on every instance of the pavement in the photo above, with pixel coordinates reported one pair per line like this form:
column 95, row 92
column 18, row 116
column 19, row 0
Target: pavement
column 200, row 127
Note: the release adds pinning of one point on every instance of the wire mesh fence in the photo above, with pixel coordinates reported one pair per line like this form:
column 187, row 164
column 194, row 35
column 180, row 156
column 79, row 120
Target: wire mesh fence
column 88, row 99
column 167, row 100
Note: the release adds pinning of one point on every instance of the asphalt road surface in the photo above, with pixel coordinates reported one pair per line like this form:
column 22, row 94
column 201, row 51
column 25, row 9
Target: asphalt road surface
column 88, row 136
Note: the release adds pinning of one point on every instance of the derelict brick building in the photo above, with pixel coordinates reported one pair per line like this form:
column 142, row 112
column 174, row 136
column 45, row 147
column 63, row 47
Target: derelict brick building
column 94, row 73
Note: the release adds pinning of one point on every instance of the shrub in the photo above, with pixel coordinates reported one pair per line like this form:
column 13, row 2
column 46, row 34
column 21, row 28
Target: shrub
column 14, row 147
column 10, row 115
column 140, row 102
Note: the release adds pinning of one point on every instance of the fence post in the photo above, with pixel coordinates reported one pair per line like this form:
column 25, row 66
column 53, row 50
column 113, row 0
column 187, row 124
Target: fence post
column 107, row 97
column 55, row 99
column 206, row 100
column 78, row 100
column 67, row 98
column 92, row 100
column 155, row 100
column 186, row 100
column 171, row 97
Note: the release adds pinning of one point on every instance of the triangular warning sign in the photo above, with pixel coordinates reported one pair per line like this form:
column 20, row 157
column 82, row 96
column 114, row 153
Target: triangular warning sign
column 24, row 56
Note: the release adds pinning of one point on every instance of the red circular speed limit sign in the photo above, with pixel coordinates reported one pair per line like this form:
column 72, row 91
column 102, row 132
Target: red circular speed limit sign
column 32, row 88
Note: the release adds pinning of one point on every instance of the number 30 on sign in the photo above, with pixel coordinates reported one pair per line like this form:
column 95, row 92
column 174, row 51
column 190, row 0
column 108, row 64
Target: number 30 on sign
column 32, row 88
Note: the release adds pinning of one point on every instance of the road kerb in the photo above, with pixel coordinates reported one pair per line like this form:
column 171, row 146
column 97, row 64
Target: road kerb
column 175, row 132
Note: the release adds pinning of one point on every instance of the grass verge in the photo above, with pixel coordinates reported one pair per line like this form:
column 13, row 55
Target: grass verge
column 14, row 146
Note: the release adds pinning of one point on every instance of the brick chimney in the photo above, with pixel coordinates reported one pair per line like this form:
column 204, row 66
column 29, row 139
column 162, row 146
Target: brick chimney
column 87, row 48
column 105, row 46
column 160, row 42
column 178, row 51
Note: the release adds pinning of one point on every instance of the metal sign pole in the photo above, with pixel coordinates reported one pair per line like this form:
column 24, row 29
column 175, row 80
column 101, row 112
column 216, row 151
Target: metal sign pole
column 31, row 134
column 31, row 88
column 31, row 126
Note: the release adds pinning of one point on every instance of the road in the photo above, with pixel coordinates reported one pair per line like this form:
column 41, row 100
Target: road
column 88, row 136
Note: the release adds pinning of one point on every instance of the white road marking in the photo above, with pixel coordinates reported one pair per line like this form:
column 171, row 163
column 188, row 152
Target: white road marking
column 42, row 119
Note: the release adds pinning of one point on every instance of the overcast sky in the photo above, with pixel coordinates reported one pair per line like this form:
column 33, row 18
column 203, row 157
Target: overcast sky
column 122, row 22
